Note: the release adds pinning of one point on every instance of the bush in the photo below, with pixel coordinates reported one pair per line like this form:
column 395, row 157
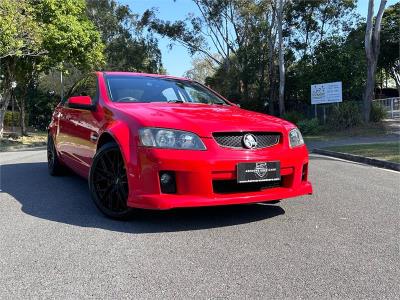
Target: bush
column 8, row 119
column 252, row 105
column 293, row 116
column 378, row 112
column 40, row 107
column 309, row 127
column 344, row 115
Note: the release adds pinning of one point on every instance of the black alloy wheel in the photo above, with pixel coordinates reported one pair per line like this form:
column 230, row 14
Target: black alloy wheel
column 109, row 184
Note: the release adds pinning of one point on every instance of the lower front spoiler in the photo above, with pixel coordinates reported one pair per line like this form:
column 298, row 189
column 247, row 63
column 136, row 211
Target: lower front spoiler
column 167, row 201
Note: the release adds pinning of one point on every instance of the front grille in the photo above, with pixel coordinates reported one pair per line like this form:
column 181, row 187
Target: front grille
column 235, row 139
column 231, row 186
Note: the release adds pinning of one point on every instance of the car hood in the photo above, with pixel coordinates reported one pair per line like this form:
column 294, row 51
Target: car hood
column 202, row 119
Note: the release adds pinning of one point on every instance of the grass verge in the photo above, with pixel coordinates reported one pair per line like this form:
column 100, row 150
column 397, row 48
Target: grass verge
column 364, row 130
column 32, row 140
column 384, row 151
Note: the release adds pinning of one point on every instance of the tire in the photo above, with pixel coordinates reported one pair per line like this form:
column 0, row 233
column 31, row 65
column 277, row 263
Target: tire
column 53, row 162
column 108, row 183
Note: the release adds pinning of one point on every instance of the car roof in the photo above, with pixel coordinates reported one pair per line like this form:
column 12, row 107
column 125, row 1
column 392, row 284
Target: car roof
column 136, row 74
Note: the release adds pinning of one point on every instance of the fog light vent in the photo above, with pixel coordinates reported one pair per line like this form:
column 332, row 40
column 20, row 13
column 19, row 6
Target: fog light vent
column 167, row 182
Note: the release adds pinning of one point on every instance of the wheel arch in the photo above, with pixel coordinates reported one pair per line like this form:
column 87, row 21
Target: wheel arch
column 121, row 135
column 105, row 137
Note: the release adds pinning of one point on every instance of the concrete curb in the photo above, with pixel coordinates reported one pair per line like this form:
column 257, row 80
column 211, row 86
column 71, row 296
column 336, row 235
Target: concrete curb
column 37, row 146
column 361, row 159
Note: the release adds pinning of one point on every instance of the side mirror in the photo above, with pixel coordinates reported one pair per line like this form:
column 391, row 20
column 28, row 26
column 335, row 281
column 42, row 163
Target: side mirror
column 80, row 102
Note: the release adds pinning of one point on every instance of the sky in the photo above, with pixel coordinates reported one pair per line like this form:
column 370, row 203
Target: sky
column 178, row 60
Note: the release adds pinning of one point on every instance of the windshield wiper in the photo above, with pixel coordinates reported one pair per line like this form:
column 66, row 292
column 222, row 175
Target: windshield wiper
column 176, row 101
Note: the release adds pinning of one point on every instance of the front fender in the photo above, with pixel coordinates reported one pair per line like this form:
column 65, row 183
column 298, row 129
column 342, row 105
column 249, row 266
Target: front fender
column 127, row 140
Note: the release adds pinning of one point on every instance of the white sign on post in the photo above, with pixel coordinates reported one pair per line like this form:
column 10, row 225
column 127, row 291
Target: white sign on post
column 326, row 93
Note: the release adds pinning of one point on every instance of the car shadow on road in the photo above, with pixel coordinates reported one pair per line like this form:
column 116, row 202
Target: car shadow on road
column 67, row 200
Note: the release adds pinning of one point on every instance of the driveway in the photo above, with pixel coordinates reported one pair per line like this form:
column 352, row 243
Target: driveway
column 342, row 242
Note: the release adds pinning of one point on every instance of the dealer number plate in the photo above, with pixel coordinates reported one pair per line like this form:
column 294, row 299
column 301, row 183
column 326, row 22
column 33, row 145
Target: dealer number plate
column 258, row 171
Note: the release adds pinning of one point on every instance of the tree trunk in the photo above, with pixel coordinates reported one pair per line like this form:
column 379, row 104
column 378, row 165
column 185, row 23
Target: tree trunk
column 369, row 91
column 245, row 89
column 261, row 96
column 22, row 116
column 394, row 73
column 21, row 108
column 271, row 36
column 2, row 115
column 271, row 79
column 5, row 92
column 4, row 102
column 281, row 61
column 372, row 43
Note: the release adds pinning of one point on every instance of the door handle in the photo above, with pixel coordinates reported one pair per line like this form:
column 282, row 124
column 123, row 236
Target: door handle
column 94, row 136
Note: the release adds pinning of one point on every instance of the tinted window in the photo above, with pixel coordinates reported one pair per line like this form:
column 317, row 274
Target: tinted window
column 133, row 89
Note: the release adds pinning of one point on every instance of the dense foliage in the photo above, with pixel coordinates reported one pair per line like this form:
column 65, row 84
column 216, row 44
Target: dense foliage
column 40, row 36
column 40, row 39
column 127, row 48
column 323, row 42
column 389, row 59
column 318, row 37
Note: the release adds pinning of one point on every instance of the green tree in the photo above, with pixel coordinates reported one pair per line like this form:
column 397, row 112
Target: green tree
column 334, row 59
column 243, row 34
column 63, row 36
column 389, row 59
column 128, row 48
column 20, row 36
column 68, row 36
column 222, row 32
column 310, row 22
column 202, row 68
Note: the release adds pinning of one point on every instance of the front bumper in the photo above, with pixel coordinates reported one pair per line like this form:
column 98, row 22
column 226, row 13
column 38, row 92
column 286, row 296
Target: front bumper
column 196, row 171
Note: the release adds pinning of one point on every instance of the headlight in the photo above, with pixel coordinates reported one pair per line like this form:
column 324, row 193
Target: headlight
column 169, row 138
column 295, row 138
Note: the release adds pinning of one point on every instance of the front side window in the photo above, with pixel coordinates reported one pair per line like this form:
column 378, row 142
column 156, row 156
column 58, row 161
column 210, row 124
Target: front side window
column 85, row 87
column 139, row 89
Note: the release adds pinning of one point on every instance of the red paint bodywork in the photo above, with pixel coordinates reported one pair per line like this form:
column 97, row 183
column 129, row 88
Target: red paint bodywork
column 80, row 100
column 77, row 134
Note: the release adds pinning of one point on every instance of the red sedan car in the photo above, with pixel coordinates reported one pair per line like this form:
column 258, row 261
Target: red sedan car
column 159, row 142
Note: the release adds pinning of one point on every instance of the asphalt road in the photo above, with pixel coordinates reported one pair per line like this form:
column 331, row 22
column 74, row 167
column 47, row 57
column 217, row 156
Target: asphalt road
column 342, row 242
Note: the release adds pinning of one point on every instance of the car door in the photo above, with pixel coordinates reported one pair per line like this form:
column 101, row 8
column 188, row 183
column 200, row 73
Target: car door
column 79, row 128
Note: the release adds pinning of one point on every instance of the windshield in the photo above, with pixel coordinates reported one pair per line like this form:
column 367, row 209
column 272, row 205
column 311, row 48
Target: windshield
column 139, row 89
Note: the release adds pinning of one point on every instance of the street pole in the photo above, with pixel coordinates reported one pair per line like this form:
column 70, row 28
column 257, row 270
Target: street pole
column 12, row 111
column 13, row 86
column 62, row 85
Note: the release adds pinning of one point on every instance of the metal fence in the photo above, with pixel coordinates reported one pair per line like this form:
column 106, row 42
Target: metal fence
column 392, row 106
